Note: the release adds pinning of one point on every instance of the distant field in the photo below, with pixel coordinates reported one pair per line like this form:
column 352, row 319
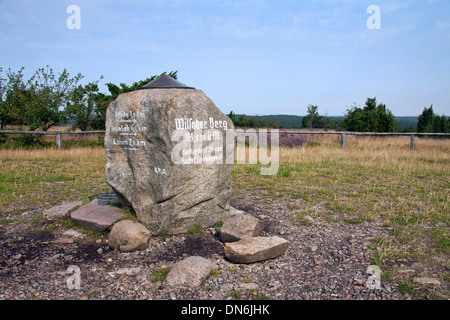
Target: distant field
column 374, row 179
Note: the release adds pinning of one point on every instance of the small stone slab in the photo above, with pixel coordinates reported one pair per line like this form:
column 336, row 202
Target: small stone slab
column 249, row 250
column 96, row 217
column 73, row 234
column 240, row 226
column 61, row 211
column 190, row 272
column 125, row 271
column 431, row 281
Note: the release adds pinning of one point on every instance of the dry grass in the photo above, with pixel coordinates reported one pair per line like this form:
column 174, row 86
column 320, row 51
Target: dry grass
column 375, row 180
column 31, row 179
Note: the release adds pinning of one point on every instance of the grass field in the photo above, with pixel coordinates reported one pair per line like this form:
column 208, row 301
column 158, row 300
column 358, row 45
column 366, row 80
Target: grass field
column 374, row 179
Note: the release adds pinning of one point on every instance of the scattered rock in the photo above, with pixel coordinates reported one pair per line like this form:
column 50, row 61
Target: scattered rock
column 240, row 226
column 63, row 240
column 128, row 236
column 73, row 234
column 234, row 211
column 61, row 211
column 95, row 216
column 190, row 272
column 125, row 271
column 406, row 271
column 308, row 218
column 249, row 286
column 431, row 281
column 17, row 256
column 249, row 250
column 227, row 287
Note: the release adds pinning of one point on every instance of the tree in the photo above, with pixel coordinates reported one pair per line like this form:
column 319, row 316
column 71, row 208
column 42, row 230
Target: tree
column 13, row 93
column 38, row 102
column 354, row 119
column 50, row 95
column 232, row 117
column 425, row 120
column 385, row 119
column 313, row 119
column 428, row 121
column 371, row 118
column 445, row 123
column 88, row 106
column 242, row 121
column 46, row 99
column 81, row 106
column 116, row 90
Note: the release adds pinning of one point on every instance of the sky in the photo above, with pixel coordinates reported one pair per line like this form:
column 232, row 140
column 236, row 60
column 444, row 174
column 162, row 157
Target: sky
column 256, row 57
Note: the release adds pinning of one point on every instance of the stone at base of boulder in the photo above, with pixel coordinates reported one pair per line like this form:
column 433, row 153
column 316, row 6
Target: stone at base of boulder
column 128, row 236
column 96, row 217
column 240, row 226
column 190, row 272
column 249, row 250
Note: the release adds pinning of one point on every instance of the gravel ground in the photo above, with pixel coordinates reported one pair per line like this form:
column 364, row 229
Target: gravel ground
column 323, row 262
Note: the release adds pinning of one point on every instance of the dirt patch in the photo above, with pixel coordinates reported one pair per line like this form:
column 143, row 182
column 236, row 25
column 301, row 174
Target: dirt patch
column 204, row 245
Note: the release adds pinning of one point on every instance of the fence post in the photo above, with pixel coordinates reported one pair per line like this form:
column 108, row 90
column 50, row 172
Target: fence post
column 412, row 145
column 58, row 140
column 343, row 140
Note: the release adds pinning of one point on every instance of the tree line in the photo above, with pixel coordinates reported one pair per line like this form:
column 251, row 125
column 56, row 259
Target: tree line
column 372, row 117
column 47, row 99
column 252, row 121
column 428, row 121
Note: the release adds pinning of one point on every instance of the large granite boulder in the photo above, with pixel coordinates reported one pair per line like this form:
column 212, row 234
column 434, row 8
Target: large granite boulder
column 166, row 153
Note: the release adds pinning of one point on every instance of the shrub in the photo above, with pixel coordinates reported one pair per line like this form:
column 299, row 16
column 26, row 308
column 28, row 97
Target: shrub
column 293, row 140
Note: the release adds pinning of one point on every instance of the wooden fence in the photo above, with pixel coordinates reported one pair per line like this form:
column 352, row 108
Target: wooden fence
column 58, row 134
column 343, row 134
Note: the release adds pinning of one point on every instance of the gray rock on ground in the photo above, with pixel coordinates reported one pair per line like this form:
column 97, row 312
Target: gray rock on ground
column 127, row 235
column 234, row 211
column 249, row 250
column 62, row 211
column 190, row 272
column 426, row 280
column 240, row 226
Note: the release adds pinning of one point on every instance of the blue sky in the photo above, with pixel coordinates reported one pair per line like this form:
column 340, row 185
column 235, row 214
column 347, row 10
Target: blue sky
column 249, row 56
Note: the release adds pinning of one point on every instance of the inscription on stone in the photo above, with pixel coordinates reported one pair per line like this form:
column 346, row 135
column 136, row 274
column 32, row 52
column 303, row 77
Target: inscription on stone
column 126, row 128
